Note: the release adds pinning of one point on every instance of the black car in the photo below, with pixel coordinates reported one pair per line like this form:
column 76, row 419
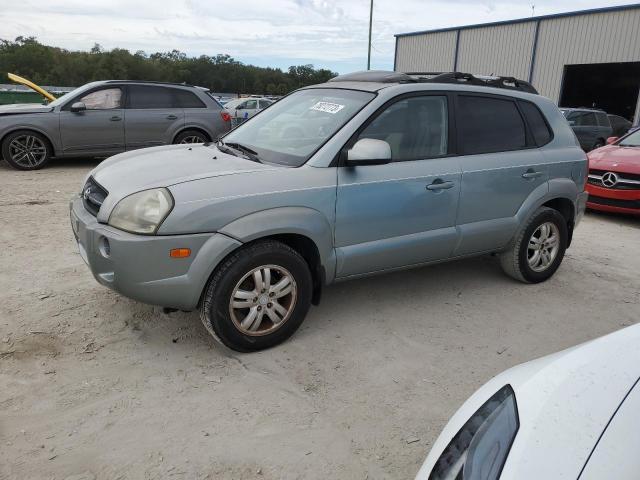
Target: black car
column 619, row 124
column 591, row 126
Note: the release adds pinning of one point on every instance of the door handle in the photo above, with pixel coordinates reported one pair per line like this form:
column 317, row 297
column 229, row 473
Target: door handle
column 171, row 117
column 115, row 118
column 529, row 174
column 438, row 184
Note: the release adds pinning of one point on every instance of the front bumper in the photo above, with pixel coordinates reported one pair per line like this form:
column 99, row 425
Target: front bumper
column 139, row 266
column 613, row 200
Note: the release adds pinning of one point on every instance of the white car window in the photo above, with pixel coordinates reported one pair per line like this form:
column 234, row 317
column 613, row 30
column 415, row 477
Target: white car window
column 103, row 99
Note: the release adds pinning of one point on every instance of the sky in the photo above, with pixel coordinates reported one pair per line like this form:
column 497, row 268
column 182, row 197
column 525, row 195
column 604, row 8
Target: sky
column 278, row 33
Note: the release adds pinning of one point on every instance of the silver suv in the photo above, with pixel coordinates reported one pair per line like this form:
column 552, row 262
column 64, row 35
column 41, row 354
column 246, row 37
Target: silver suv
column 103, row 118
column 365, row 174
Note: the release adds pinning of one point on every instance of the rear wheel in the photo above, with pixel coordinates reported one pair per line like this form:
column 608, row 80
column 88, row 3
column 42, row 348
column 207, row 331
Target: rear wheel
column 192, row 136
column 538, row 249
column 258, row 297
column 26, row 150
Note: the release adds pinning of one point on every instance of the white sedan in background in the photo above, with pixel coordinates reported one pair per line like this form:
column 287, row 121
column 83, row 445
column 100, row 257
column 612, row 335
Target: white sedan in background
column 571, row 415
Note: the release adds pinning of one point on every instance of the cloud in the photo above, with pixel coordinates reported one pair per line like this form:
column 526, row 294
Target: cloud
column 329, row 33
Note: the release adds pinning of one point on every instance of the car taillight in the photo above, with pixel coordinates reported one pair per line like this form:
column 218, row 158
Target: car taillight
column 225, row 116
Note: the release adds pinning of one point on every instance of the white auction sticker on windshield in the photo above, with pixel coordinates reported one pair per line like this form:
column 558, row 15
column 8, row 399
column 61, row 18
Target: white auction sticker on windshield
column 327, row 107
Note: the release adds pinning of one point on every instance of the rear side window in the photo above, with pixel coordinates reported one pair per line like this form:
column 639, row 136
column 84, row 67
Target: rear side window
column 264, row 103
column 537, row 124
column 488, row 124
column 142, row 97
column 603, row 120
column 582, row 119
column 186, row 99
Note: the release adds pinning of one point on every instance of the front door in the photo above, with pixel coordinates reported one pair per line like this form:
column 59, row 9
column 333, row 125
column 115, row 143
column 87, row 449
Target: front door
column 152, row 116
column 98, row 130
column 402, row 213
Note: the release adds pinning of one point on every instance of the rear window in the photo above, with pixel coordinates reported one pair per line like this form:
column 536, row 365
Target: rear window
column 537, row 124
column 186, row 99
column 142, row 97
column 488, row 124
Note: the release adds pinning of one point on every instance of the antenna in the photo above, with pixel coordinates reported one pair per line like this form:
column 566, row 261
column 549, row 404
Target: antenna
column 370, row 25
column 533, row 10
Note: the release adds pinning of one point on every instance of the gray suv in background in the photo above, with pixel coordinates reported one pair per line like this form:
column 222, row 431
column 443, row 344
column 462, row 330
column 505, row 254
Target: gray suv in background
column 592, row 127
column 108, row 117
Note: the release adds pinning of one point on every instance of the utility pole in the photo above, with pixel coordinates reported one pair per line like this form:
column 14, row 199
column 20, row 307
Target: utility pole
column 370, row 25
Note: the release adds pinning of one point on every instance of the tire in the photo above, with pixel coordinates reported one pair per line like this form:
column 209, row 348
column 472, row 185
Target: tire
column 192, row 136
column 26, row 150
column 236, row 274
column 516, row 261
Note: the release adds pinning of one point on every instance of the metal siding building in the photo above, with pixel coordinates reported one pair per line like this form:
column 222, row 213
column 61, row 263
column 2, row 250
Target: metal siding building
column 548, row 51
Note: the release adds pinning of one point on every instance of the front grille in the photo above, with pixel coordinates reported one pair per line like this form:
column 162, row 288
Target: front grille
column 614, row 202
column 626, row 181
column 93, row 196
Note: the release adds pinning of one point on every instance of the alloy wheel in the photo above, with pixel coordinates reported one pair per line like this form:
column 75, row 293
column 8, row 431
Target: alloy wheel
column 263, row 300
column 543, row 247
column 192, row 139
column 27, row 151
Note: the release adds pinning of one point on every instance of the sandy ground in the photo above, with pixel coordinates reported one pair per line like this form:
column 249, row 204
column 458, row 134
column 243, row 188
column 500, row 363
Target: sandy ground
column 96, row 386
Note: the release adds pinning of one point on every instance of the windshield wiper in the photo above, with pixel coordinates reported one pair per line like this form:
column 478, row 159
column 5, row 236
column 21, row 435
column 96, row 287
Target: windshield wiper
column 232, row 148
column 251, row 154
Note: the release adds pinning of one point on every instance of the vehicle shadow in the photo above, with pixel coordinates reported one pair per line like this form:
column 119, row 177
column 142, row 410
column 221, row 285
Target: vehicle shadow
column 617, row 218
column 58, row 164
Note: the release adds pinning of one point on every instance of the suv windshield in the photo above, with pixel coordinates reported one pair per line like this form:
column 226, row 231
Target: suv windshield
column 291, row 130
column 632, row 140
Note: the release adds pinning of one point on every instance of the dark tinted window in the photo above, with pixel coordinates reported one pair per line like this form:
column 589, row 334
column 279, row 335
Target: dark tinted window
column 489, row 125
column 537, row 125
column 264, row 103
column 582, row 119
column 142, row 96
column 415, row 128
column 186, row 99
column 603, row 120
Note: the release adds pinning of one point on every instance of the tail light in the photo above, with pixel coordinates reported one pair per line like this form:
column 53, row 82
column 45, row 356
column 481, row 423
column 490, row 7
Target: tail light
column 225, row 116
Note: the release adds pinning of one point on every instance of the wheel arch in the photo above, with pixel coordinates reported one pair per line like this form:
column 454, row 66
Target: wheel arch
column 189, row 127
column 567, row 209
column 32, row 129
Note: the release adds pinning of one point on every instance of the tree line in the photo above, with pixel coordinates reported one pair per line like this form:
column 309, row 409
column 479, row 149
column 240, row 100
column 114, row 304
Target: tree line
column 46, row 65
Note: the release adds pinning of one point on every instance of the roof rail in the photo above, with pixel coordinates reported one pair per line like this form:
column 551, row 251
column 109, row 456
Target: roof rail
column 378, row 76
column 509, row 83
column 152, row 82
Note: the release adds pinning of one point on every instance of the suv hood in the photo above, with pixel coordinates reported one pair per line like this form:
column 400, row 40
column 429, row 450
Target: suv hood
column 155, row 167
column 24, row 108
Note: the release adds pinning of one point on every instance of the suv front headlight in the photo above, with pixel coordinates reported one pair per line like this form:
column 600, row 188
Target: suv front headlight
column 142, row 212
column 479, row 450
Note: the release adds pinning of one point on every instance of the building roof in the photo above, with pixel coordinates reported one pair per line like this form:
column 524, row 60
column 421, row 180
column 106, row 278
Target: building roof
column 592, row 11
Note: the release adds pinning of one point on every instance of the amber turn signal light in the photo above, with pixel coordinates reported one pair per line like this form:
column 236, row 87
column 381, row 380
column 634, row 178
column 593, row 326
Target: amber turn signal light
column 180, row 252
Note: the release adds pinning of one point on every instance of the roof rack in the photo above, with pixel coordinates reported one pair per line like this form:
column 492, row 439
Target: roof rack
column 378, row 76
column 152, row 82
column 509, row 83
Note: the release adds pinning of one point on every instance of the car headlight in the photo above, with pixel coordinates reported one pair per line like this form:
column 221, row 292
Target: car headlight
column 142, row 212
column 479, row 450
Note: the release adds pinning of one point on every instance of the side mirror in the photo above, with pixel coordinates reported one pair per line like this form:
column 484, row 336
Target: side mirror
column 78, row 107
column 368, row 151
column 612, row 140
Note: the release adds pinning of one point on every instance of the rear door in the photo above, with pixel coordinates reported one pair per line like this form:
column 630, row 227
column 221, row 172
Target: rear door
column 98, row 130
column 501, row 168
column 152, row 116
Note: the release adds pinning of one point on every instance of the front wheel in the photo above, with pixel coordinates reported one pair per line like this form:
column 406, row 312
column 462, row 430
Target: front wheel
column 258, row 296
column 538, row 248
column 26, row 150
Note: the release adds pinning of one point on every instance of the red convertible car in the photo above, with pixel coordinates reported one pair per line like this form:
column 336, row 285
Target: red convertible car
column 614, row 175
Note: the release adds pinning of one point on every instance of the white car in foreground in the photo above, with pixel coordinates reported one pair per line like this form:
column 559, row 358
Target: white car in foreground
column 571, row 415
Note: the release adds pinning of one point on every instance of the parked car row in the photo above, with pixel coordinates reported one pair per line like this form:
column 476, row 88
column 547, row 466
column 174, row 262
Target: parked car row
column 592, row 126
